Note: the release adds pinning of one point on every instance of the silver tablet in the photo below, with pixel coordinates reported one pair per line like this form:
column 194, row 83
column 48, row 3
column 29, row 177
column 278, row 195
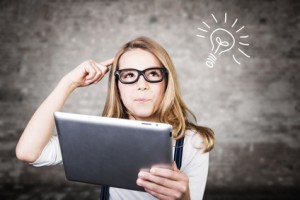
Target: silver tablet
column 110, row 151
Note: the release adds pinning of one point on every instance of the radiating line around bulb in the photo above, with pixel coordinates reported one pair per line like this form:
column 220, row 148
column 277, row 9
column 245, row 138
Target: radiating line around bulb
column 200, row 36
column 206, row 24
column 202, row 30
column 244, row 36
column 225, row 18
column 234, row 22
column 214, row 18
column 243, row 44
column 235, row 60
column 243, row 53
column 240, row 29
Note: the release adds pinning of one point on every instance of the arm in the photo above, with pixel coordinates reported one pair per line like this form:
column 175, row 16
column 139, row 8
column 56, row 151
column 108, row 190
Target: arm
column 39, row 129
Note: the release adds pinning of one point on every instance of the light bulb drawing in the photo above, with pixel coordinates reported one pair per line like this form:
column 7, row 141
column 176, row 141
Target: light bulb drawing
column 222, row 40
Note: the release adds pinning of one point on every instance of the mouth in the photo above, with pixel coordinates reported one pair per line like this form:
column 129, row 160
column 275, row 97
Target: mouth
column 141, row 100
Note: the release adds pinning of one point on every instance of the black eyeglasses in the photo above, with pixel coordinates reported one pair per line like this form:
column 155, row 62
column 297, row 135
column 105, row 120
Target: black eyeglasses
column 152, row 75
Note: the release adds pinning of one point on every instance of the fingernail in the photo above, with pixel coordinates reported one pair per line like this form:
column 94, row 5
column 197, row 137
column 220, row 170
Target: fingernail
column 141, row 174
column 153, row 170
column 139, row 182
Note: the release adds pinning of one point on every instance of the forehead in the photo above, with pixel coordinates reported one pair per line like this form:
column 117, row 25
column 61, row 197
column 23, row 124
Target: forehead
column 138, row 59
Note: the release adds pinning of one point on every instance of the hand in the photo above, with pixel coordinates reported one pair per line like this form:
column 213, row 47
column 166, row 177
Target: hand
column 89, row 72
column 165, row 183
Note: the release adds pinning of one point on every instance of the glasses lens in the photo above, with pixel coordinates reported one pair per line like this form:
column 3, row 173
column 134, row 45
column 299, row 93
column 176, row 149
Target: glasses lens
column 154, row 74
column 128, row 76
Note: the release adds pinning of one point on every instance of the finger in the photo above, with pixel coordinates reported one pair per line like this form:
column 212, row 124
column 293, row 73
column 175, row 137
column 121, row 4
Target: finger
column 104, row 66
column 99, row 74
column 159, row 196
column 157, row 189
column 90, row 71
column 169, row 174
column 108, row 62
column 104, row 69
column 167, row 183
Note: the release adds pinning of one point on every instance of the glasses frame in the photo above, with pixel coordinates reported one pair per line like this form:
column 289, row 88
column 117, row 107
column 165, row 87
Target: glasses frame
column 163, row 70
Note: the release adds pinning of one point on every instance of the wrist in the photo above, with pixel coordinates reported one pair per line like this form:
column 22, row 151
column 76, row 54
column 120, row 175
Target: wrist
column 66, row 85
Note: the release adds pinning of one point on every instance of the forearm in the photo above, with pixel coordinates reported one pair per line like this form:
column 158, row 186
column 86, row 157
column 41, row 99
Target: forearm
column 39, row 129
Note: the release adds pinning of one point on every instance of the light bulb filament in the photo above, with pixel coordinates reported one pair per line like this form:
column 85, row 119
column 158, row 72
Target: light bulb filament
column 221, row 43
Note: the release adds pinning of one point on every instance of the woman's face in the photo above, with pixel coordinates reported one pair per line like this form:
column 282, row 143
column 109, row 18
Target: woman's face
column 141, row 98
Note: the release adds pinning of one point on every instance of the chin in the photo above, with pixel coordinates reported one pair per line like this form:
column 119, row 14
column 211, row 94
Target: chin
column 143, row 115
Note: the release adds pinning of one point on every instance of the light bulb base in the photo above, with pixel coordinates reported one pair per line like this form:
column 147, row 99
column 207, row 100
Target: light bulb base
column 211, row 60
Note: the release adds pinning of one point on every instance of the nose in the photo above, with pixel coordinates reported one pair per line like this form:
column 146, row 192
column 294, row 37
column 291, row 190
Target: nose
column 142, row 84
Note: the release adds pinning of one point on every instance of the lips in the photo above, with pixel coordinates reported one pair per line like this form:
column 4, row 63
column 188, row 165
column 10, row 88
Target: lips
column 141, row 100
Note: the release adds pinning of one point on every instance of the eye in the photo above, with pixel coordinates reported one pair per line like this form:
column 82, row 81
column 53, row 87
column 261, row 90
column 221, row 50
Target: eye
column 154, row 73
column 128, row 75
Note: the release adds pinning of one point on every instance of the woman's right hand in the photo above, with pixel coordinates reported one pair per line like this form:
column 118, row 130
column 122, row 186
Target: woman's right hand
column 88, row 72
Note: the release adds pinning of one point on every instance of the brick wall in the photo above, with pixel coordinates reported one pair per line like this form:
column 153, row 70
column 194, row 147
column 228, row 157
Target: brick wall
column 253, row 107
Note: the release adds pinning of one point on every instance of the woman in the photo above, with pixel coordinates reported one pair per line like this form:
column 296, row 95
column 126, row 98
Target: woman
column 142, row 86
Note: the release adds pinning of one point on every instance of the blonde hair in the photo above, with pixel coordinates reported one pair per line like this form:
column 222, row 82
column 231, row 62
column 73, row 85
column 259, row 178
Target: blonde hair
column 172, row 109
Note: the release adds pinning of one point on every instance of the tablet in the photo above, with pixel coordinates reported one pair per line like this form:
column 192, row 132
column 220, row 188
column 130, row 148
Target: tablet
column 111, row 151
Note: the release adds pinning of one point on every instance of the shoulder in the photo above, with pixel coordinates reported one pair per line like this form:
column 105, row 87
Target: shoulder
column 194, row 140
column 193, row 151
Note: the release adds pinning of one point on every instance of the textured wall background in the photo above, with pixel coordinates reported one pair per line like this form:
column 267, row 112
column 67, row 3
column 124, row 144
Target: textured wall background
column 253, row 107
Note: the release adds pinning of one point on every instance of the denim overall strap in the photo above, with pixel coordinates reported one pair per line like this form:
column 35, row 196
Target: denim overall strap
column 178, row 152
column 104, row 194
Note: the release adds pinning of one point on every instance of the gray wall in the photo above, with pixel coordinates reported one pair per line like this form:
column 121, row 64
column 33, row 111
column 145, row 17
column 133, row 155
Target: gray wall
column 253, row 107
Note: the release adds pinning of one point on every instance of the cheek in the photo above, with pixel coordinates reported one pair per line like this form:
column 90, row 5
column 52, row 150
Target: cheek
column 124, row 93
column 160, row 93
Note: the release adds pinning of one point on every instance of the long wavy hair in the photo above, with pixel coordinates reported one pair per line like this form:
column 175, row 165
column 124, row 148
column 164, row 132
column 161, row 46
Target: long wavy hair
column 172, row 109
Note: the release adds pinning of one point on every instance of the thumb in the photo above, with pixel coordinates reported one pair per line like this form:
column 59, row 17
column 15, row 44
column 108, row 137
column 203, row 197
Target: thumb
column 175, row 168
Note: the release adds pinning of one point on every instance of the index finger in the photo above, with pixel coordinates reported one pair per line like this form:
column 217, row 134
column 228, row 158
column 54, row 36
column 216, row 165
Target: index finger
column 108, row 62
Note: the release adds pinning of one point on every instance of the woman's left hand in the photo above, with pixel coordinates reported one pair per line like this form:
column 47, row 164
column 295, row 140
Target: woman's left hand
column 165, row 183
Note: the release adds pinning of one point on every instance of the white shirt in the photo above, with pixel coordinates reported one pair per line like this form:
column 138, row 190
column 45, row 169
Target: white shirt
column 194, row 165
